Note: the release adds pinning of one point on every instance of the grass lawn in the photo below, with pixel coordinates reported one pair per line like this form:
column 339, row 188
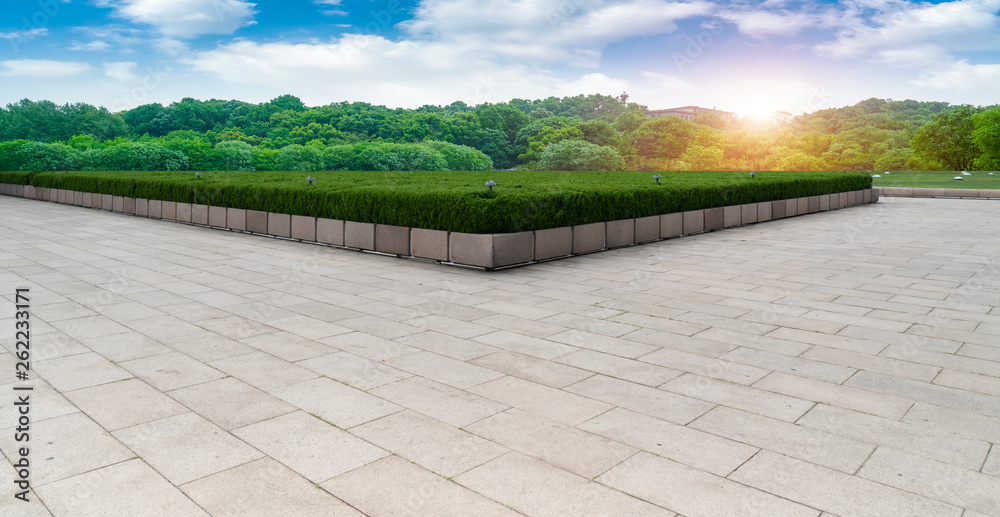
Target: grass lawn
column 938, row 179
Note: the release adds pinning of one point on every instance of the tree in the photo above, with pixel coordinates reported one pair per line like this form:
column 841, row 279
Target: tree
column 703, row 158
column 947, row 139
column 36, row 156
column 986, row 136
column 580, row 155
column 461, row 158
column 894, row 160
column 548, row 135
column 498, row 148
column 664, row 137
column 234, row 155
column 135, row 156
column 297, row 157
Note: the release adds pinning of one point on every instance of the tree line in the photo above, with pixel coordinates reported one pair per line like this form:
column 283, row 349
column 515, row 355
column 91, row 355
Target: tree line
column 595, row 132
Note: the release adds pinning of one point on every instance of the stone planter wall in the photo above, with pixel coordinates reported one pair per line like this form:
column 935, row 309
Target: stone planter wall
column 486, row 251
column 939, row 192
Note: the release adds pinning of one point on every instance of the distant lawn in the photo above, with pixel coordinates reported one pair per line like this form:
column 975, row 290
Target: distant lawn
column 938, row 179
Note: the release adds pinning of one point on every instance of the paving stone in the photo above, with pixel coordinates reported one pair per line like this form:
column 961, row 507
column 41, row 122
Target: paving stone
column 354, row 371
column 694, row 493
column 541, row 400
column 750, row 399
column 171, row 371
column 127, row 488
column 847, row 397
column 264, row 488
column 434, row 445
column 63, row 447
column 311, row 447
column 341, row 405
column 940, row 481
column 692, row 447
column 527, row 345
column 792, row 440
column 643, row 399
column 263, row 371
column 534, row 487
column 940, row 395
column 705, row 366
column 956, row 421
column 186, row 447
column 832, row 491
column 439, row 401
column 620, row 367
column 793, row 365
column 230, row 403
column 425, row 493
column 368, row 346
column 79, row 371
column 935, row 444
column 442, row 369
column 532, row 368
column 117, row 405
column 577, row 451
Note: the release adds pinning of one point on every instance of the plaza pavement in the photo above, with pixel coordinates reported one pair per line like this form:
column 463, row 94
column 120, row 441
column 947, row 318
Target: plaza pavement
column 843, row 363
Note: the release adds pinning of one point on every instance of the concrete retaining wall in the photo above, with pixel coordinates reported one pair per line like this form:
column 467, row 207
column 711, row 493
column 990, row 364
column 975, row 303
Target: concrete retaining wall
column 939, row 192
column 487, row 251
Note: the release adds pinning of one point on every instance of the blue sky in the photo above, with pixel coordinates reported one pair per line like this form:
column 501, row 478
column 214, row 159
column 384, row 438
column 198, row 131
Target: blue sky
column 747, row 56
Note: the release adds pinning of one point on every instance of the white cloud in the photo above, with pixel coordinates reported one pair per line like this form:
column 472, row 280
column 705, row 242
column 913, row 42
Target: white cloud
column 24, row 35
column 963, row 76
column 93, row 46
column 187, row 18
column 123, row 71
column 335, row 12
column 41, row 68
column 761, row 24
column 542, row 31
column 956, row 26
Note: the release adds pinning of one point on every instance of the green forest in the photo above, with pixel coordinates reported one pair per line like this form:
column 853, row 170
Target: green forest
column 594, row 132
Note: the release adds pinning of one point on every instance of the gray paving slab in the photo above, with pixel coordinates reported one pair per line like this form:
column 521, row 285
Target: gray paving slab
column 746, row 371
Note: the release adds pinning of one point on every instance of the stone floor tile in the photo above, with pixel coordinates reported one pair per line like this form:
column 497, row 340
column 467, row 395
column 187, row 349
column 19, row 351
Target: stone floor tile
column 56, row 404
column 541, row 348
column 208, row 346
column 705, row 366
column 940, row 395
column 768, row 343
column 445, row 370
column 661, row 404
column 812, row 445
column 450, row 326
column 528, row 327
column 518, row 310
column 89, row 327
column 750, row 399
column 689, row 446
column 955, row 421
column 186, row 447
column 264, row 488
column 541, row 400
column 434, row 445
column 126, row 346
column 369, row 346
column 592, row 325
column 311, row 447
column 121, row 404
column 935, row 480
column 847, row 397
column 423, row 494
column 534, row 487
column 449, row 405
column 936, row 444
column 339, row 404
column 606, row 344
column 969, row 381
column 171, row 371
column 694, row 493
column 462, row 349
column 235, row 327
column 532, row 368
column 162, row 328
column 127, row 488
column 353, row 370
column 690, row 345
column 263, row 371
column 64, row 447
column 289, row 347
column 79, row 371
column 383, row 327
column 793, row 365
column 577, row 451
column 992, row 464
column 308, row 327
column 832, row 491
column 229, row 403
column 615, row 366
column 873, row 363
column 33, row 507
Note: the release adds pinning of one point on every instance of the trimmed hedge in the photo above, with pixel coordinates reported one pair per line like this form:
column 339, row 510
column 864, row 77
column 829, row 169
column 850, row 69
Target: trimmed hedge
column 16, row 177
column 458, row 201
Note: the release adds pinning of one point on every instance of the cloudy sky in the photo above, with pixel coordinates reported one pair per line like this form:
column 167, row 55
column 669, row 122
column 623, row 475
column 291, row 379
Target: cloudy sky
column 747, row 56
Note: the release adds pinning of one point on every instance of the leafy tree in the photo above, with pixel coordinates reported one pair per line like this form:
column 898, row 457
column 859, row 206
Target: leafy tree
column 502, row 117
column 461, row 157
column 986, row 136
column 135, row 156
column 234, row 155
column 9, row 157
column 580, row 155
column 786, row 159
column 496, row 146
column 375, row 157
column 415, row 157
column 947, row 138
column 196, row 146
column 36, row 156
column 630, row 121
column 299, row 158
column 894, row 160
column 548, row 135
column 664, row 137
column 702, row 158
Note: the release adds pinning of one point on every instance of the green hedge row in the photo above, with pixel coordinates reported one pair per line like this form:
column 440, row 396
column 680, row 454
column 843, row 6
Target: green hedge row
column 458, row 201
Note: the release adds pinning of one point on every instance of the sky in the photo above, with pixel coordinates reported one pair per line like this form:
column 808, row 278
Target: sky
column 748, row 56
